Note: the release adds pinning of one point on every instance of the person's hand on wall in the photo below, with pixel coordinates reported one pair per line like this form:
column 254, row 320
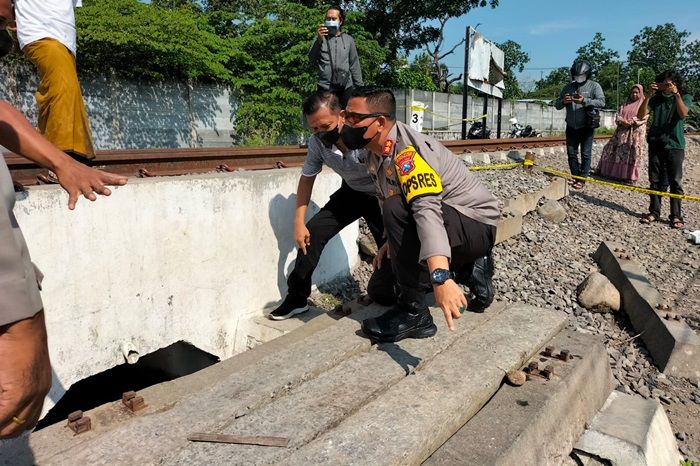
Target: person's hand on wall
column 25, row 374
column 78, row 179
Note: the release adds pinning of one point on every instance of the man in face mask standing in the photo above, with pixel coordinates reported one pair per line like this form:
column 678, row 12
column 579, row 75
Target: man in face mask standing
column 354, row 199
column 439, row 218
column 335, row 55
column 582, row 98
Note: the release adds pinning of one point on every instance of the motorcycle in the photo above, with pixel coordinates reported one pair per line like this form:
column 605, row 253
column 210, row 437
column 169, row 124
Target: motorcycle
column 519, row 131
column 476, row 131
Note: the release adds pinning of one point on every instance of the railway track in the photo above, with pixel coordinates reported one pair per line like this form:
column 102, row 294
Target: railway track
column 169, row 162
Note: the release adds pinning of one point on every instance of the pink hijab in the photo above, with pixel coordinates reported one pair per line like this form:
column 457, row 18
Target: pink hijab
column 629, row 110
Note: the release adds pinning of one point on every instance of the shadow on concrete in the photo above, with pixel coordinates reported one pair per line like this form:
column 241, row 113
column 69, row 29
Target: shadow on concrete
column 137, row 114
column 403, row 358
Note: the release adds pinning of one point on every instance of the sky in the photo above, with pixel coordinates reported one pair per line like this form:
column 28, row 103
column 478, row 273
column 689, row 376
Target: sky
column 551, row 31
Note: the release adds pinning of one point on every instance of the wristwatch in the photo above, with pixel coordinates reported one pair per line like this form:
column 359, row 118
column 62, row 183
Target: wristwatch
column 440, row 276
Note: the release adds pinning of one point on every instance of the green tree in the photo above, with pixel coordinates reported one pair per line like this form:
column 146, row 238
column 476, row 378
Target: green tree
column 515, row 61
column 551, row 85
column 659, row 48
column 137, row 40
column 691, row 69
column 405, row 25
column 597, row 54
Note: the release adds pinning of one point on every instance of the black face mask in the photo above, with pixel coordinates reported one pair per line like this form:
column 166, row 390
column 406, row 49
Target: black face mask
column 330, row 137
column 354, row 138
column 6, row 43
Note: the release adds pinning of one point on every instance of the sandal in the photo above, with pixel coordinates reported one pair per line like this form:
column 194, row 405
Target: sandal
column 648, row 219
column 677, row 224
column 578, row 185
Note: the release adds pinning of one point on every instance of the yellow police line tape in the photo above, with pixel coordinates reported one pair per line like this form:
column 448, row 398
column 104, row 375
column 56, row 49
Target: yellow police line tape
column 530, row 163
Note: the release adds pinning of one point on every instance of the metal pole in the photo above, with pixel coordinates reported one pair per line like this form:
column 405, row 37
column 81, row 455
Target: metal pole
column 467, row 44
column 483, row 120
column 617, row 99
column 498, row 122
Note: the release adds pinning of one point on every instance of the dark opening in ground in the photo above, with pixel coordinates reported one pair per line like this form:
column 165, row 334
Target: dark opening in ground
column 166, row 364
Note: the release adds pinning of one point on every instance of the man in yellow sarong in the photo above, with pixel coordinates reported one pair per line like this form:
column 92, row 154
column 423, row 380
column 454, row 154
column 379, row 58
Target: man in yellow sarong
column 47, row 37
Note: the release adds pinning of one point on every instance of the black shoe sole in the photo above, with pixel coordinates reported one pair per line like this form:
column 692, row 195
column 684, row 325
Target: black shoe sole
column 424, row 332
column 293, row 312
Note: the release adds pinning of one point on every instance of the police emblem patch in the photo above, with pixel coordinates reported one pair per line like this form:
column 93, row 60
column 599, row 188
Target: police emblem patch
column 404, row 162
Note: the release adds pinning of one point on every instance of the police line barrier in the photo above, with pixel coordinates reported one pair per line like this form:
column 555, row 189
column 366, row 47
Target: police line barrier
column 529, row 163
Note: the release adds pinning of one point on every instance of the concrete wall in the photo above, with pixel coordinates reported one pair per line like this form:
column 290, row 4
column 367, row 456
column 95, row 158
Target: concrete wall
column 133, row 115
column 191, row 258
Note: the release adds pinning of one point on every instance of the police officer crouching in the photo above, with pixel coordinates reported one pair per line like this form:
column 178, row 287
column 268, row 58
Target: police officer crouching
column 439, row 219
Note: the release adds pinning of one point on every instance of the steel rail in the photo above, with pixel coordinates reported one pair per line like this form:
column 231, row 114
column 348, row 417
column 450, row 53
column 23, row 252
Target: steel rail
column 166, row 162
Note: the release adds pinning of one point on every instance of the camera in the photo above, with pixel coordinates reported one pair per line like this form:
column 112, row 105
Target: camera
column 332, row 27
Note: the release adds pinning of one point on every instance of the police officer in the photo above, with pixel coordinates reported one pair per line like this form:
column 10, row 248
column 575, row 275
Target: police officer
column 354, row 199
column 438, row 217
column 25, row 369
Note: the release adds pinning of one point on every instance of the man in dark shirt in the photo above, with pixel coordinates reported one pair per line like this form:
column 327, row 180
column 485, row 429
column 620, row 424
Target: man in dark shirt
column 669, row 106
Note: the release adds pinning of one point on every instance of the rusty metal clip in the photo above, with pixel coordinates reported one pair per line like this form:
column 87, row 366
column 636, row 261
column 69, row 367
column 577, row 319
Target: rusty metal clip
column 548, row 372
column 565, row 355
column 549, row 351
column 132, row 401
column 79, row 423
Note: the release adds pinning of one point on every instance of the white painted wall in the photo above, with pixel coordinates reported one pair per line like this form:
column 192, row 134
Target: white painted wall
column 166, row 259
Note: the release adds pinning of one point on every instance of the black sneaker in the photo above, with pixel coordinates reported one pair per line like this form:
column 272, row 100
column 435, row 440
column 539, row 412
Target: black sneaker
column 290, row 306
column 397, row 324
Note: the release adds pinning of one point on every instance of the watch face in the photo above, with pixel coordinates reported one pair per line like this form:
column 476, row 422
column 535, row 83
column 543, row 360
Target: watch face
column 440, row 275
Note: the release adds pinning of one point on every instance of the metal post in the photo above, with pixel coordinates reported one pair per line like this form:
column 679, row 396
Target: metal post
column 483, row 119
column 498, row 122
column 467, row 44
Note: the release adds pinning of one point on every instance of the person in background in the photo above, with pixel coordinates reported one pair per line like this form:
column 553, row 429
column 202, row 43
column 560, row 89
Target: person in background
column 47, row 37
column 623, row 152
column 354, row 199
column 668, row 104
column 25, row 369
column 581, row 97
column 334, row 53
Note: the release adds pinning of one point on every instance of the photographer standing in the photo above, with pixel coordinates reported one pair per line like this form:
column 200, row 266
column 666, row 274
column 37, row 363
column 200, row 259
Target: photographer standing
column 335, row 55
column 582, row 98
column 669, row 106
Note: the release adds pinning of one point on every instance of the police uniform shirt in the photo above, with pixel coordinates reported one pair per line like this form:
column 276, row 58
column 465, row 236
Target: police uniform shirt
column 351, row 166
column 426, row 174
column 19, row 280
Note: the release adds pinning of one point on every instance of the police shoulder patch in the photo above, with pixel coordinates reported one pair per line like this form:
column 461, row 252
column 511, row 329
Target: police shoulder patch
column 416, row 177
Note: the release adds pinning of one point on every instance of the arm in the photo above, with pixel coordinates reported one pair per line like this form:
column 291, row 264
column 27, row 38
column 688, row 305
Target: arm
column 25, row 374
column 355, row 70
column 315, row 51
column 302, row 237
column 681, row 106
column 19, row 136
column 598, row 99
column 560, row 102
column 643, row 111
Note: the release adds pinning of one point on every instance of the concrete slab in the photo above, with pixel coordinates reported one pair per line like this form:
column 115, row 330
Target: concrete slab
column 418, row 414
column 673, row 345
column 325, row 401
column 538, row 423
column 508, row 227
column 207, row 400
column 631, row 430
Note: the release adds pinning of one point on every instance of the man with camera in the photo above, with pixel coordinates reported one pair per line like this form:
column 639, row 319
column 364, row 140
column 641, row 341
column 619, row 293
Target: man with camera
column 582, row 98
column 669, row 105
column 335, row 55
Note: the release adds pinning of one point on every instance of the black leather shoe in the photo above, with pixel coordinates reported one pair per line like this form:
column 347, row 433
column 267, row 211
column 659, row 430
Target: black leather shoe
column 480, row 283
column 397, row 324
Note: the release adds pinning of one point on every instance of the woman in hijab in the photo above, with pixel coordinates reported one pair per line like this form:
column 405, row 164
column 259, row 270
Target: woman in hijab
column 621, row 155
